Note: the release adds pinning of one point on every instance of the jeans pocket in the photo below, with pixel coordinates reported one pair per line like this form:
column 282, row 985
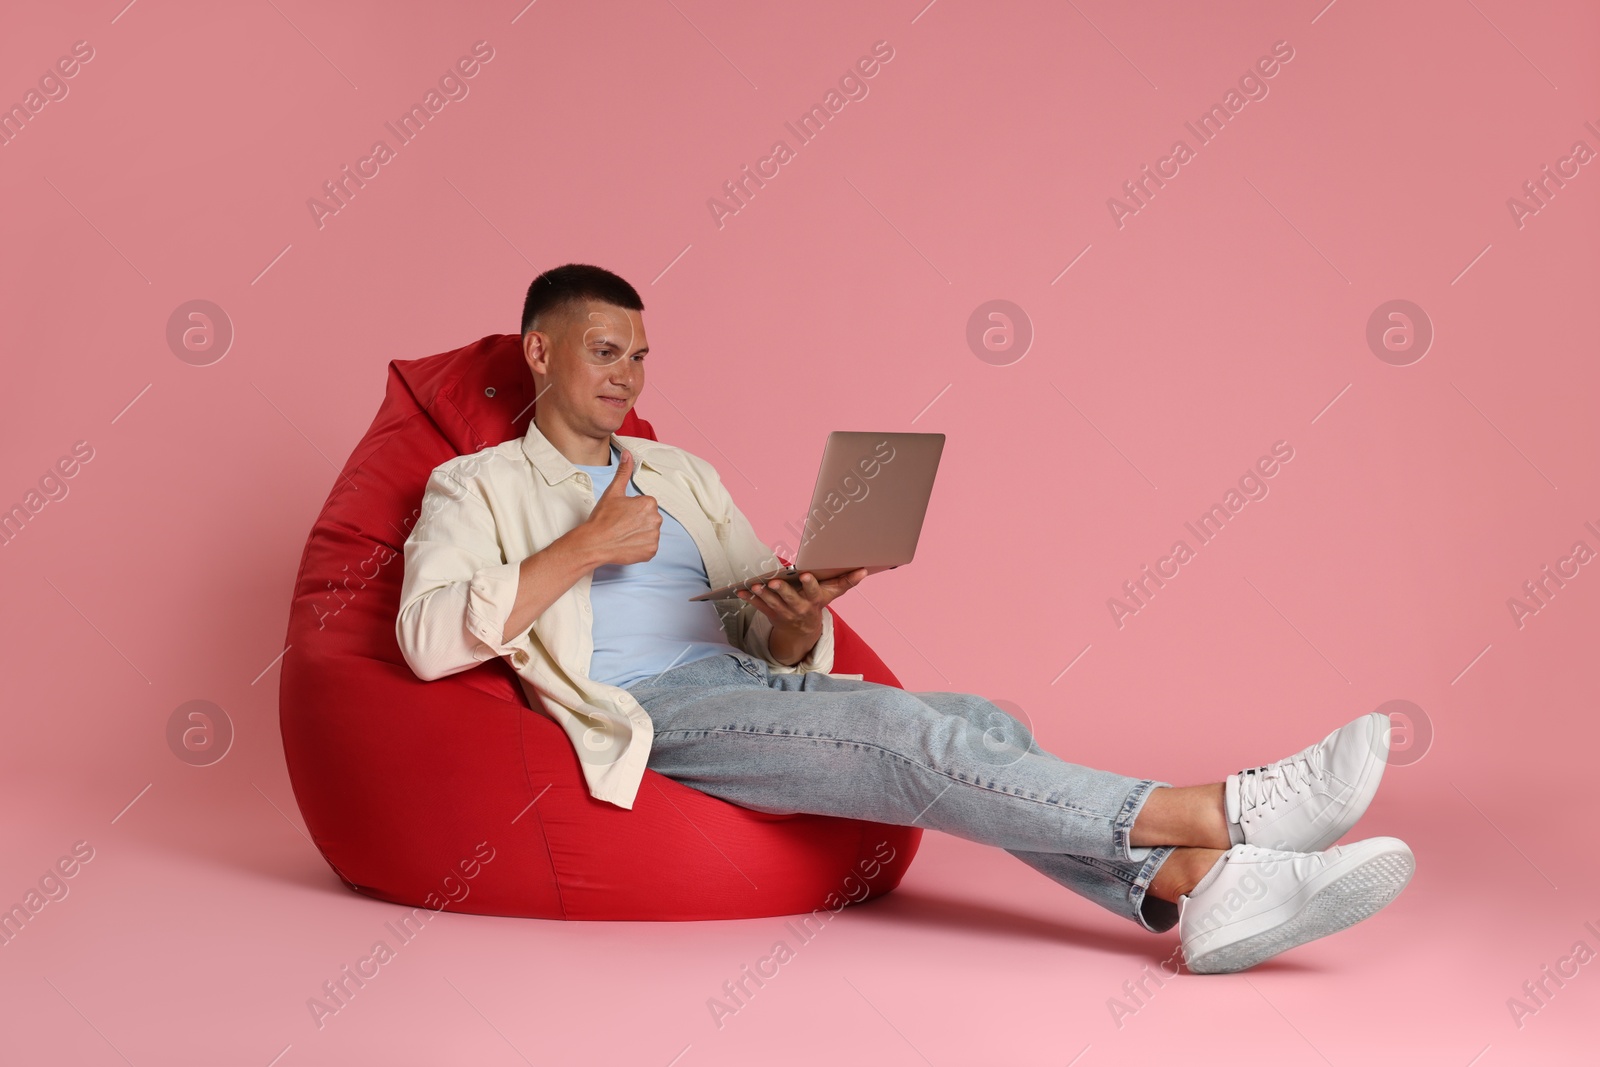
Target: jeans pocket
column 750, row 667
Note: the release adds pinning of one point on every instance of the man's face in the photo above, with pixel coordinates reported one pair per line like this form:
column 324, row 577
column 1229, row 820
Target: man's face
column 588, row 365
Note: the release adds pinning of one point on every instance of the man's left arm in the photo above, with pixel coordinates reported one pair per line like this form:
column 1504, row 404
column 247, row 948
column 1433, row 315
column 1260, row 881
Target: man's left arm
column 795, row 620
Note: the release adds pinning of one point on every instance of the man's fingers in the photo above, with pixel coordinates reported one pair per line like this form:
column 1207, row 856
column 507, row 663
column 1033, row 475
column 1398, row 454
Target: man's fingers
column 839, row 584
column 847, row 580
column 751, row 596
column 619, row 483
column 770, row 596
column 788, row 593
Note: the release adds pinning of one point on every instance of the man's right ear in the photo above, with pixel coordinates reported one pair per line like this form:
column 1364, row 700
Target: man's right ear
column 534, row 351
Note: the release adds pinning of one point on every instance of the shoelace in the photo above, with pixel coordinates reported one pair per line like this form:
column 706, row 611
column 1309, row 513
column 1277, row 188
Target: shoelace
column 1265, row 784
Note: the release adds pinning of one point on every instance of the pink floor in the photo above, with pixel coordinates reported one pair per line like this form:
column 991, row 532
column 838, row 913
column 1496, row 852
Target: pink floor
column 1148, row 359
column 204, row 924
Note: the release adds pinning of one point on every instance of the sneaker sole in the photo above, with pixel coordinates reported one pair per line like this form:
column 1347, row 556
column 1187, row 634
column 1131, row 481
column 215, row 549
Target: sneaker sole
column 1361, row 796
column 1354, row 895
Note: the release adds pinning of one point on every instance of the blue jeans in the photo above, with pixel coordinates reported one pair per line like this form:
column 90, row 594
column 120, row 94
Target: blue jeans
column 785, row 743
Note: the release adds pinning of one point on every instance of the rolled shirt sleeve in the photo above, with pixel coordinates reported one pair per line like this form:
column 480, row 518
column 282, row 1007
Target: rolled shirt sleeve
column 759, row 633
column 458, row 588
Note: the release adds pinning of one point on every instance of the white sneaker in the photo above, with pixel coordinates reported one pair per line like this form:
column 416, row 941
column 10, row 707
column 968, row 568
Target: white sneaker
column 1309, row 800
column 1257, row 902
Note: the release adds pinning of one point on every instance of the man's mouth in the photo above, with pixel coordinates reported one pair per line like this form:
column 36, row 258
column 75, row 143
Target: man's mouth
column 616, row 401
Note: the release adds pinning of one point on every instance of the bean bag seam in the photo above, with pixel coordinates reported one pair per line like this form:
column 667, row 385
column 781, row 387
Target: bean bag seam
column 544, row 834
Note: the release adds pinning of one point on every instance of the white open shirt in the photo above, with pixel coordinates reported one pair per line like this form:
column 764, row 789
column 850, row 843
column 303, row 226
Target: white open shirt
column 483, row 514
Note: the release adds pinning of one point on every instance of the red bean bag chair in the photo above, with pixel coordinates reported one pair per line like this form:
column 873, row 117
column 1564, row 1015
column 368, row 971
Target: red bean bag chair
column 457, row 795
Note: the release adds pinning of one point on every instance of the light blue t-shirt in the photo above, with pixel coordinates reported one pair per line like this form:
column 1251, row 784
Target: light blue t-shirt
column 644, row 621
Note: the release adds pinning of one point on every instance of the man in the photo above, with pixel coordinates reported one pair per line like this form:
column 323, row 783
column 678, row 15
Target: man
column 573, row 552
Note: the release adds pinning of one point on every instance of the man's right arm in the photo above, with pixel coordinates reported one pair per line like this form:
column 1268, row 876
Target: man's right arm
column 462, row 602
column 546, row 575
column 455, row 577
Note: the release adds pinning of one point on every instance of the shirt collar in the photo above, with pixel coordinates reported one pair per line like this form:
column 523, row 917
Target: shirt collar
column 554, row 467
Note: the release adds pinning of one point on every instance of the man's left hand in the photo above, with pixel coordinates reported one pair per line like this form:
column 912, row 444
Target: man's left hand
column 799, row 608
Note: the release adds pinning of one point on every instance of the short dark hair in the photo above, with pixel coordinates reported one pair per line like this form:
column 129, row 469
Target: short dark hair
column 574, row 282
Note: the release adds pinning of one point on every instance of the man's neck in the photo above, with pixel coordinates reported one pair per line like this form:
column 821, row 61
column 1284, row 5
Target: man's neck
column 607, row 462
column 578, row 448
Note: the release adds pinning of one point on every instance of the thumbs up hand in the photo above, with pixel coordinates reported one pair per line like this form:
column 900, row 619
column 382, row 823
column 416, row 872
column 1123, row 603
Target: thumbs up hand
column 621, row 528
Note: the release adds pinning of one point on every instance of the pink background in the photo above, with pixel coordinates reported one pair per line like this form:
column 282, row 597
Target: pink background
column 1228, row 314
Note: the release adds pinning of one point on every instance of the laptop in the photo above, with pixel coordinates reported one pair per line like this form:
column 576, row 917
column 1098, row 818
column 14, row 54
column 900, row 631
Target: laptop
column 866, row 510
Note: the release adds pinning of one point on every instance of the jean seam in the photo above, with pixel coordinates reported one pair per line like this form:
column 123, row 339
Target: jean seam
column 869, row 746
column 1138, row 883
column 1122, row 825
column 1105, row 866
column 1141, row 885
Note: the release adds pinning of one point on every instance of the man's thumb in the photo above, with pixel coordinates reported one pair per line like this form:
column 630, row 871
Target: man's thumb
column 619, row 482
